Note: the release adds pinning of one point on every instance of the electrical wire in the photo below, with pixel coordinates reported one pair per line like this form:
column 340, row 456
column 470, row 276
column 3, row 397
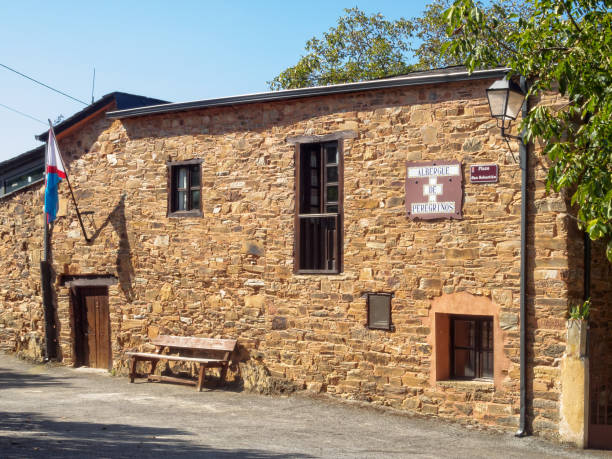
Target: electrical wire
column 43, row 84
column 23, row 114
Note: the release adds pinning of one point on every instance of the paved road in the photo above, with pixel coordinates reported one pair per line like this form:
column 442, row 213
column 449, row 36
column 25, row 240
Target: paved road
column 50, row 411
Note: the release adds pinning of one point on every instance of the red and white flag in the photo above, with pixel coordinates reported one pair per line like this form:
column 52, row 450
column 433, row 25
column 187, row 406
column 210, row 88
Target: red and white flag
column 55, row 173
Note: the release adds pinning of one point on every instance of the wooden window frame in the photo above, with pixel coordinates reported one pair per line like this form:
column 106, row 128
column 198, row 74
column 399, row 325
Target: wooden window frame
column 171, row 190
column 478, row 348
column 390, row 326
column 339, row 215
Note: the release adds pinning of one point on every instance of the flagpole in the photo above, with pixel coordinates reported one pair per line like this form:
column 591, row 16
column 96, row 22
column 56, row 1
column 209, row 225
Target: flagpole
column 45, row 256
column 45, row 283
column 76, row 206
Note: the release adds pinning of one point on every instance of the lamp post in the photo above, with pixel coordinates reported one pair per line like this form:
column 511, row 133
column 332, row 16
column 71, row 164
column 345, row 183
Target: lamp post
column 506, row 100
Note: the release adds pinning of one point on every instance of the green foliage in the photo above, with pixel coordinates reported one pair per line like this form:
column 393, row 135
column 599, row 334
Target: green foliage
column 365, row 47
column 359, row 48
column 431, row 29
column 564, row 46
column 581, row 312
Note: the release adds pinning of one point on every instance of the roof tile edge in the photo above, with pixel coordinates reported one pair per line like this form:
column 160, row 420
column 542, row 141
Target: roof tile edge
column 391, row 82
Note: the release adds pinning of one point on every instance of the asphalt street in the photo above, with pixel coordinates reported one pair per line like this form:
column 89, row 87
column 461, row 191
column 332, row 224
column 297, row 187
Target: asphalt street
column 52, row 411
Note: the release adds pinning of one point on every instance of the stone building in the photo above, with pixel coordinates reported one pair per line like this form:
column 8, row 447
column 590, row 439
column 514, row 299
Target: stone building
column 290, row 221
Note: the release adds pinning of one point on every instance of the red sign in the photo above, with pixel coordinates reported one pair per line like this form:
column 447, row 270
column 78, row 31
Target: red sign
column 433, row 189
column 484, row 173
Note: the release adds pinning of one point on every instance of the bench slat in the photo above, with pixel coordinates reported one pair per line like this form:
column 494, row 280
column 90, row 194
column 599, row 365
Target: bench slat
column 190, row 342
column 172, row 379
column 152, row 356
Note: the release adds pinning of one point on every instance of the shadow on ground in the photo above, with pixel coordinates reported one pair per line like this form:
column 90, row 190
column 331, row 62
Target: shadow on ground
column 32, row 435
column 10, row 379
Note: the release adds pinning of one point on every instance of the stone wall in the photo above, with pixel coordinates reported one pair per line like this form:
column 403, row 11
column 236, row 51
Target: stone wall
column 21, row 236
column 230, row 272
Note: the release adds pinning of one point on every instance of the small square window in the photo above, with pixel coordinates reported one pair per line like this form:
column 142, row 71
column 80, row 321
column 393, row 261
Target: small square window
column 379, row 311
column 471, row 347
column 185, row 188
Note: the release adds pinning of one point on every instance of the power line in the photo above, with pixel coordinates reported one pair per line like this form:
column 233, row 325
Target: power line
column 43, row 84
column 22, row 114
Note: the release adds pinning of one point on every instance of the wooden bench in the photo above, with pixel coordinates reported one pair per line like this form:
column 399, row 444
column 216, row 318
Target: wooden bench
column 209, row 353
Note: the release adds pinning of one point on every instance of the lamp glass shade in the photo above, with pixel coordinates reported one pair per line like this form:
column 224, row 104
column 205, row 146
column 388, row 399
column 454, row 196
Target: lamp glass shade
column 515, row 102
column 505, row 99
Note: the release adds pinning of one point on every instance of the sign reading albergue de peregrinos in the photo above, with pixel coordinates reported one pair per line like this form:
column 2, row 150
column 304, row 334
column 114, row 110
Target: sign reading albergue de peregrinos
column 433, row 189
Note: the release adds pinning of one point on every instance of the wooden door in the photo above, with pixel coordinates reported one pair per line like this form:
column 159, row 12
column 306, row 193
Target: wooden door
column 92, row 327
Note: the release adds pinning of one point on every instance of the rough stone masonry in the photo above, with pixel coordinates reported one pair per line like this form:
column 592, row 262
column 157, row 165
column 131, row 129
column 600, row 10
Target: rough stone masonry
column 229, row 273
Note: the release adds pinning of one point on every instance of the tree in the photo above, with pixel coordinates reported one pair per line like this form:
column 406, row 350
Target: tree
column 359, row 48
column 430, row 30
column 565, row 46
column 365, row 47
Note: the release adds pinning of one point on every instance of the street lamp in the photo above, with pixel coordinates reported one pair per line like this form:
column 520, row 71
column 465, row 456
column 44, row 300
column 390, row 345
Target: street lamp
column 505, row 102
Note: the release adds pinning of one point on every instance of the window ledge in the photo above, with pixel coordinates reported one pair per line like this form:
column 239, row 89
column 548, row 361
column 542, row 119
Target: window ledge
column 390, row 328
column 310, row 272
column 185, row 214
column 478, row 384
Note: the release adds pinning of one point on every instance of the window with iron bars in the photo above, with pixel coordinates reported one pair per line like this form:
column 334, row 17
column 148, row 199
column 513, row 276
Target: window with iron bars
column 319, row 199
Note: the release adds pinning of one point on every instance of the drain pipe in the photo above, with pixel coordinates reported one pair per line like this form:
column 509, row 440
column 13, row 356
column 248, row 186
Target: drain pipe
column 522, row 430
column 587, row 266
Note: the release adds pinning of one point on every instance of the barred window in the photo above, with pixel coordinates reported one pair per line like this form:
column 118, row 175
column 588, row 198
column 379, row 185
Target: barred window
column 319, row 208
column 471, row 347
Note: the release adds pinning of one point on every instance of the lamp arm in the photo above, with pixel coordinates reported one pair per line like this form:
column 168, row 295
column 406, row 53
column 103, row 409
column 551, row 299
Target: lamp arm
column 508, row 136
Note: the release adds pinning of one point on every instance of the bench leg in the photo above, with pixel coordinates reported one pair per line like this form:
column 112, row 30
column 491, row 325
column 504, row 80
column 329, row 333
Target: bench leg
column 133, row 369
column 200, row 378
column 153, row 366
column 223, row 374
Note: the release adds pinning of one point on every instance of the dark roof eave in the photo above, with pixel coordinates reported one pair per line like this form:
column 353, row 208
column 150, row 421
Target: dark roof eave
column 395, row 82
column 115, row 96
column 30, row 155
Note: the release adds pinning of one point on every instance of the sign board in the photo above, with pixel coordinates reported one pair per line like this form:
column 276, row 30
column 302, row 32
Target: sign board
column 484, row 173
column 433, row 189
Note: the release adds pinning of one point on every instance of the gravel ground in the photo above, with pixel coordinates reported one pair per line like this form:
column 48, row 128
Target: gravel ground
column 52, row 411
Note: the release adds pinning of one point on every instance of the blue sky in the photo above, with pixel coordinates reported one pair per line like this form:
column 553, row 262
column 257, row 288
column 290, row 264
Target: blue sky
column 176, row 51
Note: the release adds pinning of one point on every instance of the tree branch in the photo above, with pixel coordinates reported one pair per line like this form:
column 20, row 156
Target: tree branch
column 569, row 15
column 557, row 48
column 505, row 46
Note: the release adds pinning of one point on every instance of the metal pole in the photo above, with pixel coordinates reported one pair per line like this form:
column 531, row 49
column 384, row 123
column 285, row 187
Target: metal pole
column 522, row 431
column 45, row 287
column 587, row 266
